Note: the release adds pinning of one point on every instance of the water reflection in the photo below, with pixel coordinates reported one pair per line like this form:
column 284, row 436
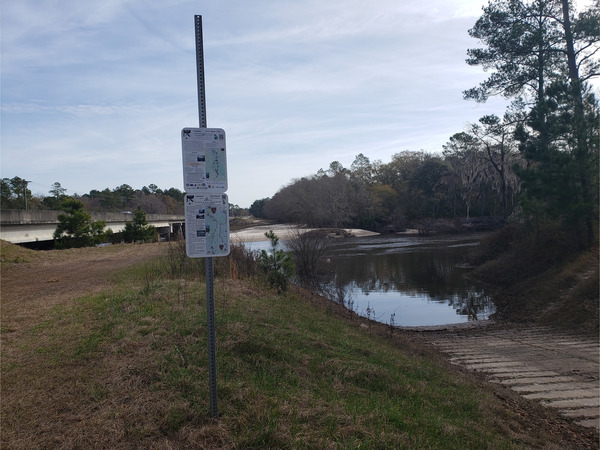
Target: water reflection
column 407, row 281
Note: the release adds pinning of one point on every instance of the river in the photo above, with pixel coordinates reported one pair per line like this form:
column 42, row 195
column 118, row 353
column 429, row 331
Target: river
column 406, row 280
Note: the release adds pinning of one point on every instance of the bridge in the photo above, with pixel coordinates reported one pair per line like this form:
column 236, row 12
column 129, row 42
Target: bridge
column 20, row 226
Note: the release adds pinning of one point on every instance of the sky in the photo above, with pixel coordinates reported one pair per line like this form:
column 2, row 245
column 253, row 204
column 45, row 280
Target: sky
column 95, row 94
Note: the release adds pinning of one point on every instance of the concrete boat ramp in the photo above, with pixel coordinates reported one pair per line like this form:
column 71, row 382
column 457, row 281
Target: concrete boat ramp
column 558, row 370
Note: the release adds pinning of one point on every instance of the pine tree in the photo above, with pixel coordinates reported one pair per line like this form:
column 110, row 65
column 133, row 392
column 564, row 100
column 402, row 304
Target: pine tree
column 139, row 229
column 542, row 59
column 76, row 228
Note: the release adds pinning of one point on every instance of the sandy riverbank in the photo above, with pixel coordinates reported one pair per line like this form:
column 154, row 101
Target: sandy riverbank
column 282, row 231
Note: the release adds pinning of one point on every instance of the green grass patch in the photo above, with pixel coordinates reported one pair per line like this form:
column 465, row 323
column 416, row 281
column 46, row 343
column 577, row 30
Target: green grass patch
column 130, row 365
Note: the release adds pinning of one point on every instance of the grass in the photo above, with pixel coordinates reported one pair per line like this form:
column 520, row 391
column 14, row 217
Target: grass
column 127, row 368
column 10, row 253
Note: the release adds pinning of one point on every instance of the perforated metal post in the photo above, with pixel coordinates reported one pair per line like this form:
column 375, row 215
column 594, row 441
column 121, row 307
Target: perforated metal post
column 212, row 342
column 200, row 71
column 210, row 292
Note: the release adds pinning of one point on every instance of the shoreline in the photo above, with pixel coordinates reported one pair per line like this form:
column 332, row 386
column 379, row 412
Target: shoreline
column 257, row 233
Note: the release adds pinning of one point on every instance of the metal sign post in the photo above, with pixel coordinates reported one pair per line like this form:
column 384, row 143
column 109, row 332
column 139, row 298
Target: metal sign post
column 210, row 292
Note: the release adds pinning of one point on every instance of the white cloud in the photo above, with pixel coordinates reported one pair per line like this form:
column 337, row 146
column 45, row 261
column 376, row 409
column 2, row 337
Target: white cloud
column 95, row 94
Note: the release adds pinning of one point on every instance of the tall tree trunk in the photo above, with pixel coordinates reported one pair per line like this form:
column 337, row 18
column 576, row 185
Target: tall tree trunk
column 581, row 151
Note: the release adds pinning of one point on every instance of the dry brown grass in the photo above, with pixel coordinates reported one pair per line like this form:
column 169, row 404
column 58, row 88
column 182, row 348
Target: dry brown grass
column 49, row 392
column 10, row 253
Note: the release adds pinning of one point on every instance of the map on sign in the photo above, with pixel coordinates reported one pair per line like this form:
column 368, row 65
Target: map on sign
column 206, row 225
column 204, row 160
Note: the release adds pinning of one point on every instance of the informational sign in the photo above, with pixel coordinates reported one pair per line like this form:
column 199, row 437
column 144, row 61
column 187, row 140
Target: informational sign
column 206, row 225
column 204, row 160
column 205, row 180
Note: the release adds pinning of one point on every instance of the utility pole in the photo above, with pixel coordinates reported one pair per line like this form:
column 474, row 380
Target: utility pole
column 25, row 183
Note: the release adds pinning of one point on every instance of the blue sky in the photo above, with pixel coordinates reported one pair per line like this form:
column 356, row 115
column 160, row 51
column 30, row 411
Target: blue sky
column 95, row 94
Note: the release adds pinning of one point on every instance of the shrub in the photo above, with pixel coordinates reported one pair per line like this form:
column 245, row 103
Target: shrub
column 310, row 251
column 241, row 262
column 277, row 266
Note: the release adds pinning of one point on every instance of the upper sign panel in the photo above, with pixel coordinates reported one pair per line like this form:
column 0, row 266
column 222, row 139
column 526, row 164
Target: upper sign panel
column 204, row 160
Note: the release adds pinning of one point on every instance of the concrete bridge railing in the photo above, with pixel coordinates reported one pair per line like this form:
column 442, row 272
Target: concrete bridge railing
column 19, row 226
column 21, row 216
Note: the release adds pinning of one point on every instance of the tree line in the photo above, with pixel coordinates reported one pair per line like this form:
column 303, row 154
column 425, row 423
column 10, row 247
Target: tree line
column 413, row 185
column 537, row 163
column 14, row 194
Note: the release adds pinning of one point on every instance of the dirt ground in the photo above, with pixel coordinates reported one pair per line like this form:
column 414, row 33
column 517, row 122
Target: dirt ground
column 30, row 289
column 554, row 369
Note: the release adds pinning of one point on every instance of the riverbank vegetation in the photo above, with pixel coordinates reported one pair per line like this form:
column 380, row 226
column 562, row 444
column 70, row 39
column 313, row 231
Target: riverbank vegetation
column 126, row 367
column 541, row 277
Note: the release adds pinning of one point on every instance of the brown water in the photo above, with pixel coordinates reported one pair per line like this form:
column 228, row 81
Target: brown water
column 405, row 280
column 409, row 281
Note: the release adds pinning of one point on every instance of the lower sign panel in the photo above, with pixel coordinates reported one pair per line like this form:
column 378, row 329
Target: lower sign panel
column 206, row 225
